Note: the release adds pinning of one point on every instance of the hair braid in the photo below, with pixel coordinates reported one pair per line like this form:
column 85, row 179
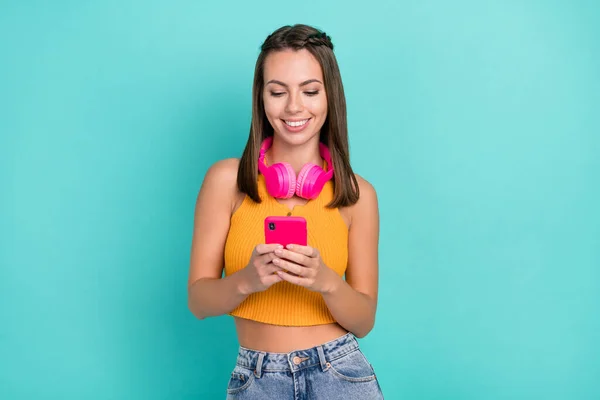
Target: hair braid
column 319, row 39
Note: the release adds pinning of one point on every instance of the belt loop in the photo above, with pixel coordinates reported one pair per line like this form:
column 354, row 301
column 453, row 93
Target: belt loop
column 322, row 359
column 259, row 362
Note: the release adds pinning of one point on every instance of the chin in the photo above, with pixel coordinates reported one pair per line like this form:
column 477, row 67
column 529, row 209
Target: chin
column 295, row 139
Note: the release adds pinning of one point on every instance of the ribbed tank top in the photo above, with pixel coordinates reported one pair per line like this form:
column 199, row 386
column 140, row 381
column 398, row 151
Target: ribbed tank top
column 284, row 303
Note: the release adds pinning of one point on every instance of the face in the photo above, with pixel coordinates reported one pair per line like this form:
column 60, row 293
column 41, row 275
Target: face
column 294, row 95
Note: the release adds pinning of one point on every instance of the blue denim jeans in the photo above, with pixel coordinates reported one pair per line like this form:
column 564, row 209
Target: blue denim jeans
column 334, row 370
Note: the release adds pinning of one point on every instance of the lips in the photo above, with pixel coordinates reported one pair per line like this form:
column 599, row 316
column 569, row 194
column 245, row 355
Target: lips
column 296, row 123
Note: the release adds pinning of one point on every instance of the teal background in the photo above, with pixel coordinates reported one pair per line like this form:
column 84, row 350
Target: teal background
column 477, row 122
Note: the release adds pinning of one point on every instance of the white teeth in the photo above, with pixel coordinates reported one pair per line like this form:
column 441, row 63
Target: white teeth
column 296, row 123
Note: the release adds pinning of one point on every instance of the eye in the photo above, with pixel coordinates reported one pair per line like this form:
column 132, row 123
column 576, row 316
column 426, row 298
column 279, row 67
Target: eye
column 313, row 93
column 277, row 94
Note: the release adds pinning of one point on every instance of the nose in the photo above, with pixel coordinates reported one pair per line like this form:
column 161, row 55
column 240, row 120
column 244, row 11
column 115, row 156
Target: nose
column 294, row 104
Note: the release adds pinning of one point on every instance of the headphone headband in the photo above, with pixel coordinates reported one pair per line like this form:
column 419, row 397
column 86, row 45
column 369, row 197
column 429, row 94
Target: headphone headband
column 268, row 142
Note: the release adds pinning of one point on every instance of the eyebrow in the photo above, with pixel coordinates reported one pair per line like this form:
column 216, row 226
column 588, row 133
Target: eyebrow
column 302, row 84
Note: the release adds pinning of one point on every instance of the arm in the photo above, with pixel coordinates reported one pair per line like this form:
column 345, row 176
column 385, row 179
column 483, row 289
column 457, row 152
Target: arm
column 209, row 297
column 353, row 302
column 208, row 294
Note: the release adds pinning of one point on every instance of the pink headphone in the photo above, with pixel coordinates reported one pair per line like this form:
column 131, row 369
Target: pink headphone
column 281, row 180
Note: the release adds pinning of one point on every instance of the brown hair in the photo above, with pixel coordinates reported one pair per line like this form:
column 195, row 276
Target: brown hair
column 334, row 132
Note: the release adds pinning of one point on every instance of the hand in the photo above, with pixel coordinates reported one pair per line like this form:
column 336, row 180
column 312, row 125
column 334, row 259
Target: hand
column 260, row 274
column 307, row 267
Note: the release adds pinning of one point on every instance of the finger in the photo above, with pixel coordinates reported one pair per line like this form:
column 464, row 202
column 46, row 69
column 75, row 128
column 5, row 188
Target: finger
column 266, row 248
column 272, row 279
column 306, row 250
column 290, row 266
column 273, row 269
column 292, row 256
column 296, row 280
column 266, row 258
column 261, row 261
column 270, row 269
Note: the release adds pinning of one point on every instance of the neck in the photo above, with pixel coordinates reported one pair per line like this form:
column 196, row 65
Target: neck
column 296, row 156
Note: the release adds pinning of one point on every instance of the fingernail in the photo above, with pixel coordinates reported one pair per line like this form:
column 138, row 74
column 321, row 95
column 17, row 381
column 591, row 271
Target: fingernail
column 276, row 261
column 290, row 246
column 278, row 251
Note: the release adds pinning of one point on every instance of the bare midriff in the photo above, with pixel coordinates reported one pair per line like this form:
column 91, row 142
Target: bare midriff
column 258, row 336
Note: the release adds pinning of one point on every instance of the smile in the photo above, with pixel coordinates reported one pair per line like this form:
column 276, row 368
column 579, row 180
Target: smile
column 296, row 123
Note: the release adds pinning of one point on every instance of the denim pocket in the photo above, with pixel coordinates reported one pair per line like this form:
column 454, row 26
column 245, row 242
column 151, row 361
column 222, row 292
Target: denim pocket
column 240, row 380
column 352, row 367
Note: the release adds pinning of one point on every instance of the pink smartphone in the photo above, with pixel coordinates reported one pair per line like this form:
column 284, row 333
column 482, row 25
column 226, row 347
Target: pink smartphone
column 286, row 230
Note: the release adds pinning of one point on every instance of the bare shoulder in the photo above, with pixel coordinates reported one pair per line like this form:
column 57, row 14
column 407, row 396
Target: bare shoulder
column 223, row 172
column 367, row 206
column 222, row 177
column 367, row 190
column 367, row 201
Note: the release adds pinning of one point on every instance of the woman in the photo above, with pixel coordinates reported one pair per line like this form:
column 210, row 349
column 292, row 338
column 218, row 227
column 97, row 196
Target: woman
column 296, row 317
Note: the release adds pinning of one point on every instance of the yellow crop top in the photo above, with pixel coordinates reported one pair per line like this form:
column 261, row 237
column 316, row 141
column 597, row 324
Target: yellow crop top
column 284, row 303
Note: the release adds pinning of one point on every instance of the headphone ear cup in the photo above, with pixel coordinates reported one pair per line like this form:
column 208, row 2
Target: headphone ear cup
column 308, row 185
column 281, row 180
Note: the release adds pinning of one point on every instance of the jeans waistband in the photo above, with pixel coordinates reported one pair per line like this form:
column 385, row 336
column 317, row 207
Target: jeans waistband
column 261, row 361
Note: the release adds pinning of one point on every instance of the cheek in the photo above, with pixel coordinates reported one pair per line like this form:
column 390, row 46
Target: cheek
column 319, row 107
column 271, row 109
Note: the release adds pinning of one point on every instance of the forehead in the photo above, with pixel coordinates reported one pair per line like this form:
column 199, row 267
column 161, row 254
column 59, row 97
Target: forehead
column 292, row 66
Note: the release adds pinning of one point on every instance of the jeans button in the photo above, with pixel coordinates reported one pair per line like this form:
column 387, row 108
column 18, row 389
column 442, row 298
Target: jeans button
column 297, row 360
